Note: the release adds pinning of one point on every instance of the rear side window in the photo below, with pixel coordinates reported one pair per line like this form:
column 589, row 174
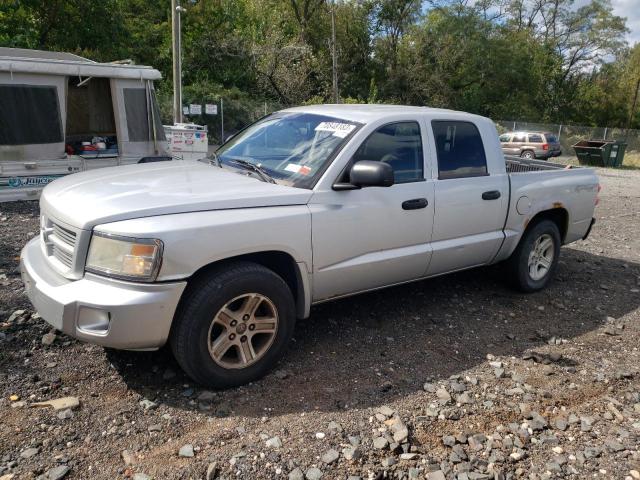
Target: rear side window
column 399, row 145
column 505, row 137
column 29, row 114
column 135, row 105
column 460, row 150
column 535, row 138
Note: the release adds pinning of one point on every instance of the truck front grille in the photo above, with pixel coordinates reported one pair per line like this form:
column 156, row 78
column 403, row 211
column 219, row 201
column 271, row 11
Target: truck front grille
column 60, row 245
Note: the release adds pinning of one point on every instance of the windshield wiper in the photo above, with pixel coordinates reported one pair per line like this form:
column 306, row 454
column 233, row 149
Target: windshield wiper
column 254, row 168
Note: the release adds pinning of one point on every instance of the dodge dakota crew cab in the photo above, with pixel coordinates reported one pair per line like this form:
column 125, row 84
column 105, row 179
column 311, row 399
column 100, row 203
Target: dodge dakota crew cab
column 219, row 258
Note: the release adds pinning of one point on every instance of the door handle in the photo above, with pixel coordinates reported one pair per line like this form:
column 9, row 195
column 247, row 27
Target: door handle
column 491, row 195
column 414, row 204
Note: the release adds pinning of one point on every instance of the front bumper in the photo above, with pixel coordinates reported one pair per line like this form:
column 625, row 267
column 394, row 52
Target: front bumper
column 99, row 310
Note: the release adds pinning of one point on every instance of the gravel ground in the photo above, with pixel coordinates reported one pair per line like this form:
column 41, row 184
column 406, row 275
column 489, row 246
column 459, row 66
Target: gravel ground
column 455, row 377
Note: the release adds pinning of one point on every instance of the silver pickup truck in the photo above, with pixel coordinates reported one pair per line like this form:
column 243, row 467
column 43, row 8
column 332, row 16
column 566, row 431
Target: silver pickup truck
column 309, row 204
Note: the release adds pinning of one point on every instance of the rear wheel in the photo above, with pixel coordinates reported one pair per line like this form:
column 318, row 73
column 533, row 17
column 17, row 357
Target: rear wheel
column 534, row 261
column 233, row 325
column 528, row 154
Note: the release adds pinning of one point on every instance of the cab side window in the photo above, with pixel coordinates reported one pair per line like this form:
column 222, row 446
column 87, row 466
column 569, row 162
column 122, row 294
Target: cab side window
column 398, row 144
column 519, row 138
column 460, row 150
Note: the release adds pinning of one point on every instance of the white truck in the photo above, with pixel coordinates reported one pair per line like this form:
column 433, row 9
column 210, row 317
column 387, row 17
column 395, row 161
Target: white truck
column 219, row 258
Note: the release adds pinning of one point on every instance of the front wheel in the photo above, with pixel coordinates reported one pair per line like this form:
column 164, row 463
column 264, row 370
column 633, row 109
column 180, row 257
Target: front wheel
column 535, row 259
column 233, row 325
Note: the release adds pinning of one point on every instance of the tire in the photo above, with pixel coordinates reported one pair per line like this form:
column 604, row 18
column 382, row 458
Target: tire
column 528, row 278
column 200, row 319
column 528, row 154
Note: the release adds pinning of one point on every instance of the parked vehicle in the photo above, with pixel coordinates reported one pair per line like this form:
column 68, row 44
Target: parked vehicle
column 61, row 113
column 531, row 145
column 307, row 205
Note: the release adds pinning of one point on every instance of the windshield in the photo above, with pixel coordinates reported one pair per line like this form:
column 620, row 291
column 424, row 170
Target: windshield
column 293, row 148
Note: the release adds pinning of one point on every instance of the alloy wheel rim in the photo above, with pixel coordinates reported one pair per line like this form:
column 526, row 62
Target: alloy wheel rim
column 541, row 257
column 242, row 331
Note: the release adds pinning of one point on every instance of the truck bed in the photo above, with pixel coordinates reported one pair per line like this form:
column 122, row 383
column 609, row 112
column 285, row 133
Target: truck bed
column 520, row 165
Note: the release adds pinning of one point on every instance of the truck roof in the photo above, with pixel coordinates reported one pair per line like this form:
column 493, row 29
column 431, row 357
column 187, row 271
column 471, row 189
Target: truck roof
column 366, row 113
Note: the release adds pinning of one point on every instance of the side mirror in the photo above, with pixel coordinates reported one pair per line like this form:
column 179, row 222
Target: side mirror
column 368, row 173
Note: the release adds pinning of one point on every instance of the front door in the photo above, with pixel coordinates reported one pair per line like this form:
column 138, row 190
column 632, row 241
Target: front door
column 471, row 201
column 375, row 236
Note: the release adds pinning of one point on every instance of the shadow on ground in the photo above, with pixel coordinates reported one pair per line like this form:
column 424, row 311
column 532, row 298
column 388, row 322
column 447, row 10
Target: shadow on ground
column 367, row 350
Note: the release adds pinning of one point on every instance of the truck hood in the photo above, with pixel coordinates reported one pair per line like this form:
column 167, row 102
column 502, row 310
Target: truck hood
column 84, row 200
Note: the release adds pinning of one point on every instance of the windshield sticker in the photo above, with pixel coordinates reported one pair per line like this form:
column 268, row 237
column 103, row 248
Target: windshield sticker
column 337, row 129
column 295, row 168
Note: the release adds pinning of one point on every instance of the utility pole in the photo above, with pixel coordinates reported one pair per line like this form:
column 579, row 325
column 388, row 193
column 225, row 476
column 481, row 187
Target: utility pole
column 176, row 10
column 334, row 60
column 633, row 106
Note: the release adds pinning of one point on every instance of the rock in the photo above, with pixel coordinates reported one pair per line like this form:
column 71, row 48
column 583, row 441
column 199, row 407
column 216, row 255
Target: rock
column 351, row 453
column 320, row 435
column 18, row 404
column 65, row 414
column 296, row 474
column 385, row 410
column 408, row 456
column 212, row 471
column 547, row 370
column 128, row 457
column 14, row 315
column 458, row 387
column 388, row 462
column 476, row 442
column 186, row 451
column 586, row 423
column 148, row 404
column 48, row 338
column 464, row 399
column 313, row 474
column 635, row 474
column 561, row 424
column 400, row 430
column 334, row 427
column 274, row 442
column 449, row 440
column 330, row 456
column 443, row 396
column 499, row 372
column 429, row 387
column 59, row 403
column 613, row 445
column 436, row 475
column 380, row 443
column 156, row 427
column 29, row 452
column 496, row 364
column 57, row 473
column 141, row 476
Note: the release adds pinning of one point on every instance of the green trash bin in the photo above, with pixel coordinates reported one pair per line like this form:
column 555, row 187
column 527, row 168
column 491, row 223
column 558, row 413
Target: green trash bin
column 600, row 153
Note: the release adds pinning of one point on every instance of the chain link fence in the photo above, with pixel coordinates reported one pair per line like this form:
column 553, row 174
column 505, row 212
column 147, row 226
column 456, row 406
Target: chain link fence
column 231, row 115
column 569, row 135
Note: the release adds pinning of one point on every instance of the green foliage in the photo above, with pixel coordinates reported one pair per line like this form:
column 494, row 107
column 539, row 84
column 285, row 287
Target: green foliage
column 537, row 60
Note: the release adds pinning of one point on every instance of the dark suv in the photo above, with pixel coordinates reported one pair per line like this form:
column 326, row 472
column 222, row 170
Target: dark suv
column 530, row 144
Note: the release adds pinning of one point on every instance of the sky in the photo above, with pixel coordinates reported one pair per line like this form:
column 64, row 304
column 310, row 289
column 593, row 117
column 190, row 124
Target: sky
column 631, row 10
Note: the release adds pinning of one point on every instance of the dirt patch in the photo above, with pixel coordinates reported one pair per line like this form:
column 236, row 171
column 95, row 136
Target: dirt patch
column 541, row 386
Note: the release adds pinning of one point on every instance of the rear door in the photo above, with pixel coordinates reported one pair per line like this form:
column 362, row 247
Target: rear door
column 517, row 142
column 471, row 200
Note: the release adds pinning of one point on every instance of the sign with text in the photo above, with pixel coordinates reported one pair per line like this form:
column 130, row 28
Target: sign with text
column 195, row 109
column 211, row 109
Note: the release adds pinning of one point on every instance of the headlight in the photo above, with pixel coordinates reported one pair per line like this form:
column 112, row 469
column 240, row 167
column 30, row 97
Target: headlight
column 124, row 257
